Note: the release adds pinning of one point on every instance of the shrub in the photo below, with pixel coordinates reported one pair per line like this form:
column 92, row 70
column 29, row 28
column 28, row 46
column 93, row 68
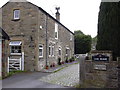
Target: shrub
column 59, row 61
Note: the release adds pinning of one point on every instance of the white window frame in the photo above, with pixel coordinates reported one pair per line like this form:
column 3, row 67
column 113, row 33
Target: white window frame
column 41, row 49
column 60, row 51
column 56, row 30
column 52, row 51
column 12, row 43
column 49, row 51
column 16, row 14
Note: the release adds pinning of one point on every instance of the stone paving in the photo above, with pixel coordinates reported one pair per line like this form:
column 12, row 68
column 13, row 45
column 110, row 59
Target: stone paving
column 69, row 76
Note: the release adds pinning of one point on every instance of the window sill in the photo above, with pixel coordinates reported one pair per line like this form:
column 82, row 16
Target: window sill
column 15, row 19
column 40, row 56
column 15, row 54
column 51, row 56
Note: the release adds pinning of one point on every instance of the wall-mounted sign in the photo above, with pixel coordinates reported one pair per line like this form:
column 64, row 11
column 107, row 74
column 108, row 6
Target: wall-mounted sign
column 100, row 67
column 100, row 57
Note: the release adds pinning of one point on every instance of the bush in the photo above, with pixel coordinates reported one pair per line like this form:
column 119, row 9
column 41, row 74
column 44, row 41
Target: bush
column 59, row 61
column 66, row 60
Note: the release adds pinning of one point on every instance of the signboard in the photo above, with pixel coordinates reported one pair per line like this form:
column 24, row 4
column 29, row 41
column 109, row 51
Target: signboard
column 100, row 67
column 100, row 57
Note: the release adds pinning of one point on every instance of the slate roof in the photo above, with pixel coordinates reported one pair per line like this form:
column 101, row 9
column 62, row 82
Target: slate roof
column 3, row 34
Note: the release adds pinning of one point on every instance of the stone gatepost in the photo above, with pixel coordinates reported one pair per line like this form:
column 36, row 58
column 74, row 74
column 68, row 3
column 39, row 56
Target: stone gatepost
column 82, row 70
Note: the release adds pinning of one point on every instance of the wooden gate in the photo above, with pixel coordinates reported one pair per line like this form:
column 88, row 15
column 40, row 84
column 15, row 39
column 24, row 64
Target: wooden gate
column 14, row 64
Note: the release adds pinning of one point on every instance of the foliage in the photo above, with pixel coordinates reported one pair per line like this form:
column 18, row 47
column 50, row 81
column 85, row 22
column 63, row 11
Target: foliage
column 78, row 32
column 72, row 59
column 66, row 60
column 109, row 28
column 59, row 61
column 82, row 43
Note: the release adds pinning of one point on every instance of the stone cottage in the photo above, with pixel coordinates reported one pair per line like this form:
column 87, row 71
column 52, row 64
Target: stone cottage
column 38, row 40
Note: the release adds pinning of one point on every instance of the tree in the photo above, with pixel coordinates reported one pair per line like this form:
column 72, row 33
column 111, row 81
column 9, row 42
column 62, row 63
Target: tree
column 109, row 28
column 82, row 42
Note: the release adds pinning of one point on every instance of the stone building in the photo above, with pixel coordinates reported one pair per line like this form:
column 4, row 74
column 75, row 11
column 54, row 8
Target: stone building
column 37, row 38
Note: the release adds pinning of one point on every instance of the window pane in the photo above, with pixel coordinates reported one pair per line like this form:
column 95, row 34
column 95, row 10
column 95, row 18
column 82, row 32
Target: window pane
column 59, row 52
column 16, row 49
column 12, row 47
column 40, row 52
column 49, row 51
column 16, row 14
column 52, row 51
column 19, row 47
column 19, row 51
column 55, row 34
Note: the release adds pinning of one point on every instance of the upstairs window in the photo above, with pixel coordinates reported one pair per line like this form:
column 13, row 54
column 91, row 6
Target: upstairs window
column 56, row 31
column 71, row 36
column 16, row 14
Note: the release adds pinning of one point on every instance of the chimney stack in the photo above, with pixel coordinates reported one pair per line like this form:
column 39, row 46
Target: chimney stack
column 57, row 13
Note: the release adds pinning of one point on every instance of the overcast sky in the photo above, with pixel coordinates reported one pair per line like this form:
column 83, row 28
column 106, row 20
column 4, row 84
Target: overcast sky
column 74, row 14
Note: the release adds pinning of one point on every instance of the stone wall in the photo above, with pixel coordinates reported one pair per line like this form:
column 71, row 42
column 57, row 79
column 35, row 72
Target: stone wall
column 100, row 74
column 97, row 78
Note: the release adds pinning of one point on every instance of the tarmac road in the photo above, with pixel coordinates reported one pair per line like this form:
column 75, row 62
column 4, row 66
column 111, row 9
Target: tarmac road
column 28, row 80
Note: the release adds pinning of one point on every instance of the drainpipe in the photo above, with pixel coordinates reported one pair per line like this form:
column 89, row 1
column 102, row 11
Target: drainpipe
column 46, row 42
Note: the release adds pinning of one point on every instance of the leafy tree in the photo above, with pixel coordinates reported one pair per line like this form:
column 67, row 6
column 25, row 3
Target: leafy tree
column 82, row 42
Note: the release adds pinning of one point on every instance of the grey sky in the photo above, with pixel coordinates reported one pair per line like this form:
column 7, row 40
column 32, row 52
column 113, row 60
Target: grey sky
column 74, row 14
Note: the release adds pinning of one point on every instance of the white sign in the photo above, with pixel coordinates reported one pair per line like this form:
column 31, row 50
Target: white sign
column 100, row 67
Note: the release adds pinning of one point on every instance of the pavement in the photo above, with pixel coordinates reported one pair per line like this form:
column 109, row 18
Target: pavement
column 59, row 67
column 40, row 79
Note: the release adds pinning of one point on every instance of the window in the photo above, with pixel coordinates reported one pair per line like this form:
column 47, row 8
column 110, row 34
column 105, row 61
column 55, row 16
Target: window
column 59, row 51
column 67, row 51
column 56, row 31
column 71, row 36
column 15, row 47
column 40, row 50
column 16, row 14
column 51, row 51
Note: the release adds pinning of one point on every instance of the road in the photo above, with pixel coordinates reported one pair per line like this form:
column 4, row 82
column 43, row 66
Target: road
column 28, row 80
column 69, row 76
